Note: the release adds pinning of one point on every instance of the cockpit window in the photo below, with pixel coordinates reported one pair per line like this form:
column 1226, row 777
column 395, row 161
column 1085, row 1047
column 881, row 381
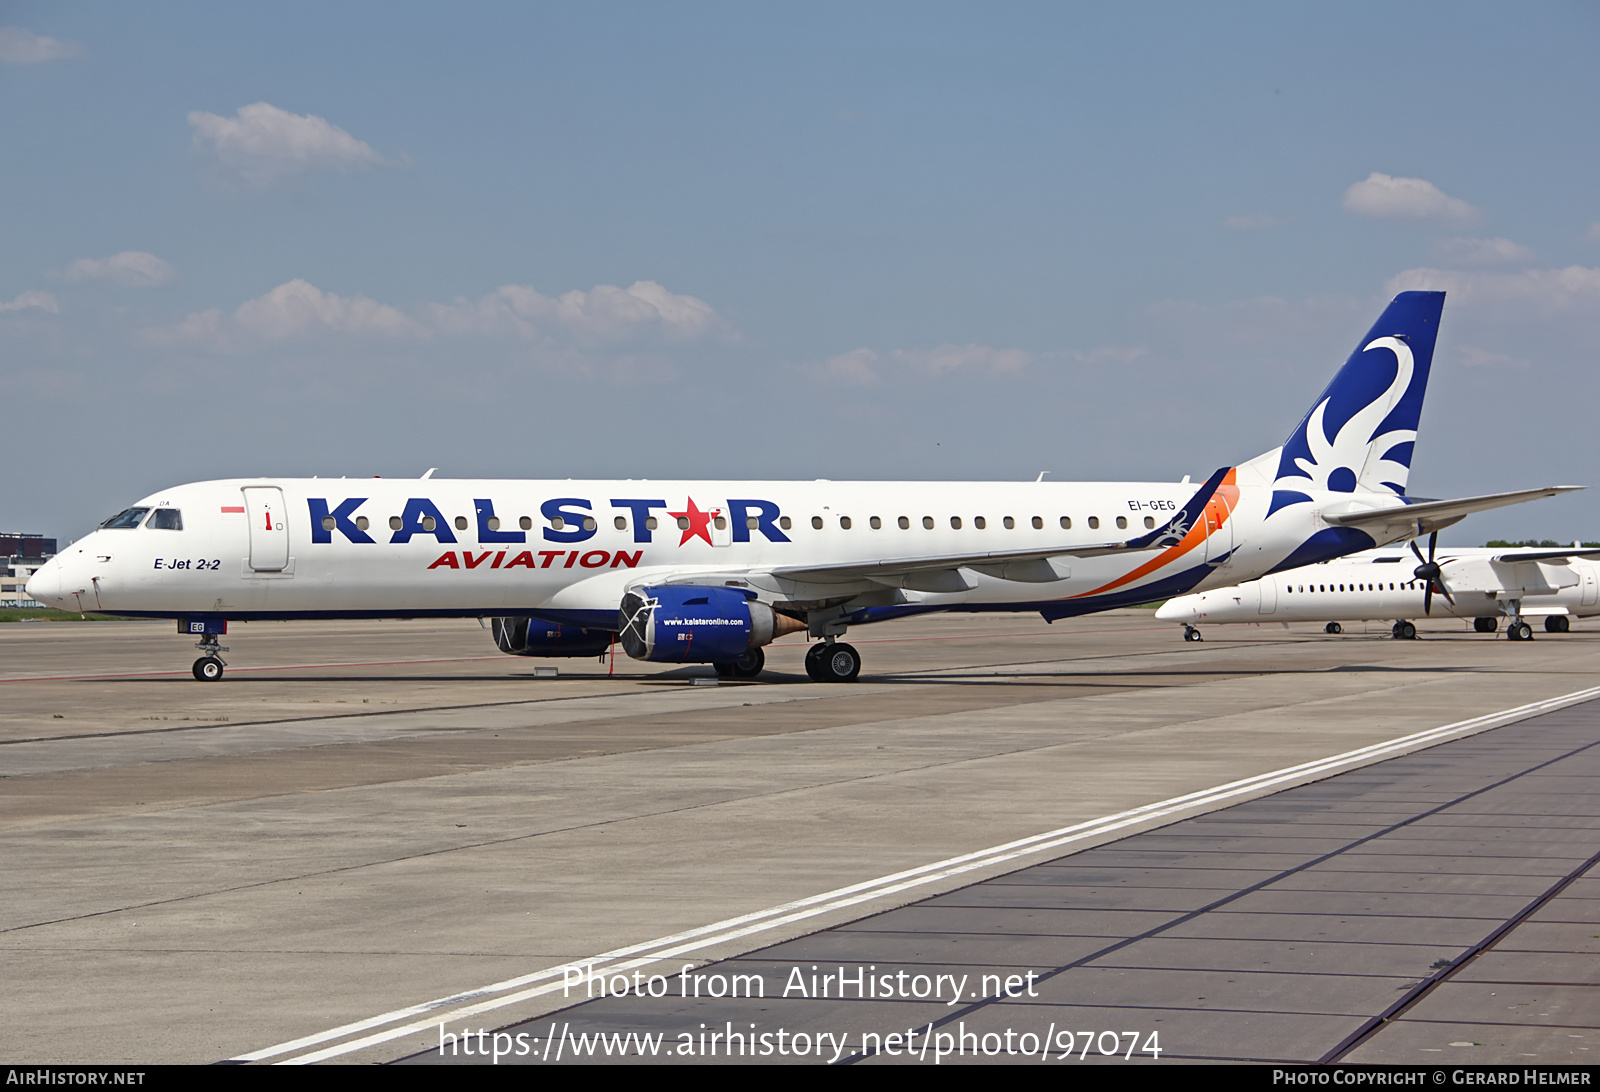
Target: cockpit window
column 166, row 519
column 128, row 517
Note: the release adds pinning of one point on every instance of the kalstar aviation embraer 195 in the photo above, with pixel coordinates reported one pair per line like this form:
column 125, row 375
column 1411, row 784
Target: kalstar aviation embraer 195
column 708, row 572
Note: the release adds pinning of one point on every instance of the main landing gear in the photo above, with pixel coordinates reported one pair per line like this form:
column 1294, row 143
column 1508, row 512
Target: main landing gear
column 1556, row 623
column 1485, row 625
column 1191, row 634
column 208, row 668
column 833, row 661
column 1519, row 631
column 1333, row 627
column 747, row 666
column 1404, row 631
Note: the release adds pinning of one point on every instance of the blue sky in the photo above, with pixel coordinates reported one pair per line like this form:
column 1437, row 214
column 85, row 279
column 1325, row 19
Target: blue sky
column 731, row 240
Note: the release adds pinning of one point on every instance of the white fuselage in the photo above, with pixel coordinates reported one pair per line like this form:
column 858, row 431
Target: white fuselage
column 274, row 548
column 1380, row 584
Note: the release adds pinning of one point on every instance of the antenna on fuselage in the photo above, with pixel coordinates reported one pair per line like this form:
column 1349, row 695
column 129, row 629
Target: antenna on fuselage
column 429, row 474
column 1040, row 478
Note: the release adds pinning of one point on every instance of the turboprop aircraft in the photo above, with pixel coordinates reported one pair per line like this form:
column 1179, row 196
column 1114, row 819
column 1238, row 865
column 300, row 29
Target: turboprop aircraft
column 1482, row 584
column 709, row 572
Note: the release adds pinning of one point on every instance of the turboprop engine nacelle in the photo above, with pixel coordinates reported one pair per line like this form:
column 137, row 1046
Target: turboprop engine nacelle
column 535, row 637
column 687, row 623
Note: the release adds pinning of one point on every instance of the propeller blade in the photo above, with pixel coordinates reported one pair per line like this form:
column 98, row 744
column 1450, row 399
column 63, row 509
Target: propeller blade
column 1444, row 591
column 1427, row 598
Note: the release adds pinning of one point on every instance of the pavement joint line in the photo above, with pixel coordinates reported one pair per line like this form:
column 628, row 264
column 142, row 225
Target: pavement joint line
column 632, row 956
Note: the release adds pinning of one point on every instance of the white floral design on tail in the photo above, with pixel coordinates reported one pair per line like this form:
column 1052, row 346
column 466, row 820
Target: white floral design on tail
column 1355, row 446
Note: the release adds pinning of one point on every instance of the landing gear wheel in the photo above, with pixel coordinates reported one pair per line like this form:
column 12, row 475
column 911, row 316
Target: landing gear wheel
column 1486, row 625
column 1405, row 631
column 1333, row 627
column 1191, row 634
column 727, row 669
column 750, row 664
column 814, row 656
column 208, row 669
column 837, row 662
column 1519, row 631
column 1556, row 623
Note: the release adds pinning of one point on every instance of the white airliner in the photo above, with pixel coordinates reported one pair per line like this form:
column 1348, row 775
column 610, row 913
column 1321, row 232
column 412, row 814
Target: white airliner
column 708, row 572
column 1482, row 584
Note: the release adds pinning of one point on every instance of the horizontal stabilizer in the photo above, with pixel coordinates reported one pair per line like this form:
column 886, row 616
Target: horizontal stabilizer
column 1545, row 555
column 1425, row 517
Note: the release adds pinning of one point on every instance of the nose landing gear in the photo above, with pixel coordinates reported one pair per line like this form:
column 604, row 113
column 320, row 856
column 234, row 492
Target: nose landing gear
column 207, row 668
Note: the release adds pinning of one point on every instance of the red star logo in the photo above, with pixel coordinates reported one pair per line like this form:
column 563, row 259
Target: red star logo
column 699, row 522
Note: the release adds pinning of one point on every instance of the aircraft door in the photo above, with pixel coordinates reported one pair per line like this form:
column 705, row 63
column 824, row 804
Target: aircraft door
column 1269, row 595
column 1591, row 587
column 1219, row 531
column 269, row 528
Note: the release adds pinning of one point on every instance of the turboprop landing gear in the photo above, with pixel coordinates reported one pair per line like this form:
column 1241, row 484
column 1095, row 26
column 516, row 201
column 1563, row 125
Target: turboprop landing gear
column 833, row 661
column 1404, row 631
column 1519, row 631
column 1556, row 623
column 747, row 666
column 1486, row 625
column 1333, row 627
column 1191, row 634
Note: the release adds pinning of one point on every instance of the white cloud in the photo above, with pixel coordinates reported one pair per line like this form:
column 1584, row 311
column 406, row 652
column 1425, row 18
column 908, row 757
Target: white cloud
column 604, row 313
column 131, row 269
column 18, row 46
column 43, row 301
column 1382, row 197
column 867, row 367
column 1481, row 252
column 1474, row 357
column 296, row 309
column 643, row 312
column 263, row 145
column 1575, row 288
column 1253, row 222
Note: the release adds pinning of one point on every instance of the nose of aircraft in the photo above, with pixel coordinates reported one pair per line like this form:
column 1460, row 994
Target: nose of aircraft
column 45, row 583
column 1178, row 609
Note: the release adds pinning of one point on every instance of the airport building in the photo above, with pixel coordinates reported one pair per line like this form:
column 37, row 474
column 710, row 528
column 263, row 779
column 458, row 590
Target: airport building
column 20, row 555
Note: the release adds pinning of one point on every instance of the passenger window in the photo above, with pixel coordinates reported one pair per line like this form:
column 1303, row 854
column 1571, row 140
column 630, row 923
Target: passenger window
column 494, row 523
column 979, row 522
column 783, row 521
column 1009, row 522
column 1066, row 523
column 1094, row 523
column 955, row 523
column 1149, row 523
column 905, row 524
column 461, row 523
column 651, row 524
column 362, row 523
column 816, row 523
column 328, row 523
column 844, row 523
column 557, row 523
column 526, row 523
column 877, row 524
column 621, row 523
column 1122, row 523
column 166, row 519
column 588, row 523
column 683, row 523
column 1038, row 523
column 751, row 523
column 429, row 523
column 394, row 523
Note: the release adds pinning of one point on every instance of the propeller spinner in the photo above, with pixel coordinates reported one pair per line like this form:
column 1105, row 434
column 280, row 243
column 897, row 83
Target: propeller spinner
column 1430, row 572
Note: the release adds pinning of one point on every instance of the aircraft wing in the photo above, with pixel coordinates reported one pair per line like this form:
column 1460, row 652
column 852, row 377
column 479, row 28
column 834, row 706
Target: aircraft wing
column 1545, row 555
column 1425, row 517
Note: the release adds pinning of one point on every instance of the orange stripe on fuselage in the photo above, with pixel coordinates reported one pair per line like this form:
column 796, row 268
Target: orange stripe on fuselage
column 1222, row 503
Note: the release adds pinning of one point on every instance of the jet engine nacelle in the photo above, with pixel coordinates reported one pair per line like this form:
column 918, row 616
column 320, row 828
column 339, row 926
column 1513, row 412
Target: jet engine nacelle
column 534, row 637
column 688, row 623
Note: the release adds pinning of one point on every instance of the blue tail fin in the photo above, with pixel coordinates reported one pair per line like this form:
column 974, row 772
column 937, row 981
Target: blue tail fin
column 1359, row 434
